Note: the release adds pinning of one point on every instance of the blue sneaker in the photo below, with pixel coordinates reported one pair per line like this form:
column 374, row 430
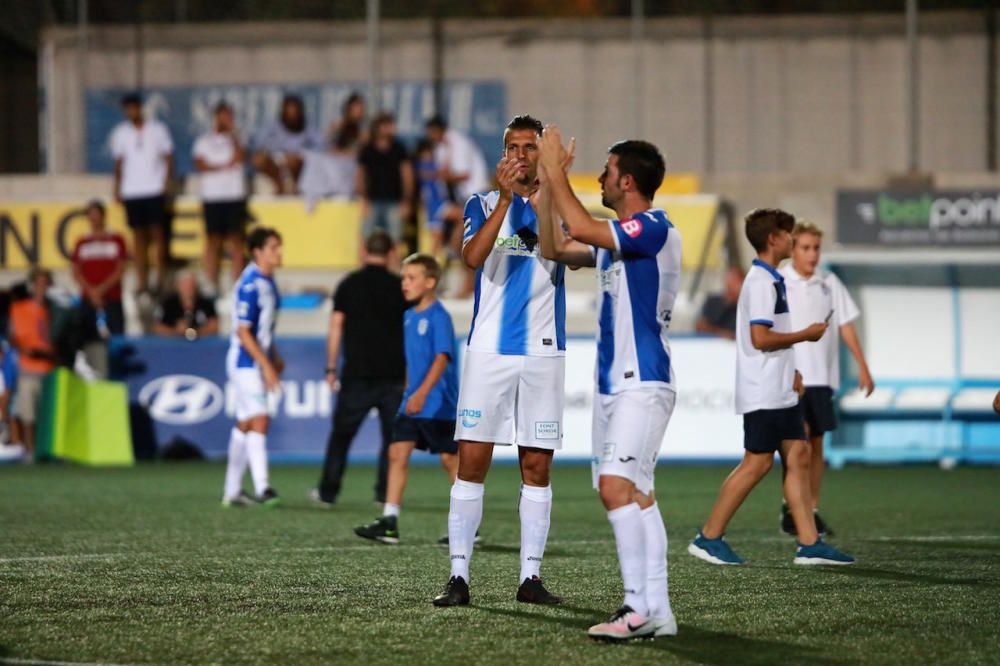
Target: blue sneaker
column 716, row 551
column 821, row 553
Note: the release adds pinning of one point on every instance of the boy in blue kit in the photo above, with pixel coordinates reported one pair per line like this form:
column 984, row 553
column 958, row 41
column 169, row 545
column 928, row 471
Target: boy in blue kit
column 426, row 418
column 768, row 389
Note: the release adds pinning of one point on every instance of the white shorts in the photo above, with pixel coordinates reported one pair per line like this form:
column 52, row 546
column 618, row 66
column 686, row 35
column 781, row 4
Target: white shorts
column 628, row 430
column 249, row 393
column 506, row 399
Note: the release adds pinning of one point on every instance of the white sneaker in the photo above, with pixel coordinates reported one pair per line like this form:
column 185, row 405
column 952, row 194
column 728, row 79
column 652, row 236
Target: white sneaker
column 665, row 626
column 9, row 452
column 624, row 625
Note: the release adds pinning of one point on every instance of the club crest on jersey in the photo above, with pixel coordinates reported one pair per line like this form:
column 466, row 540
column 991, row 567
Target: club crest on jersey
column 632, row 227
column 422, row 327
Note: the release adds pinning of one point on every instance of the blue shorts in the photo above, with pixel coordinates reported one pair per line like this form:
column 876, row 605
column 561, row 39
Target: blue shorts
column 765, row 429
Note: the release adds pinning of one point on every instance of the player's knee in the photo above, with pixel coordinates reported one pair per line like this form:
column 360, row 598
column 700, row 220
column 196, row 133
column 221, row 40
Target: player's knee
column 615, row 491
column 535, row 470
column 797, row 458
column 758, row 464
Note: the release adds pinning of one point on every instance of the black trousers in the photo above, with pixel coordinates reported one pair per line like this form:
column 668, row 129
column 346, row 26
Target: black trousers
column 355, row 399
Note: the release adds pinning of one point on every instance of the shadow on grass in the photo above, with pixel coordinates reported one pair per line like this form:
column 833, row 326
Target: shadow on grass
column 706, row 646
column 906, row 577
column 703, row 646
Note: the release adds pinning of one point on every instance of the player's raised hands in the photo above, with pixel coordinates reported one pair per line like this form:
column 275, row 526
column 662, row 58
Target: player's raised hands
column 507, row 173
column 551, row 154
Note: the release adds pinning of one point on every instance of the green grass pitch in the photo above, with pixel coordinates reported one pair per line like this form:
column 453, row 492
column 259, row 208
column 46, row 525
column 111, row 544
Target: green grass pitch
column 143, row 566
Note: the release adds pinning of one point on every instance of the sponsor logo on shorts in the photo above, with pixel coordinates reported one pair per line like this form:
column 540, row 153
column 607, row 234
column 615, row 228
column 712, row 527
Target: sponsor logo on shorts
column 546, row 429
column 609, row 452
column 626, row 459
column 470, row 417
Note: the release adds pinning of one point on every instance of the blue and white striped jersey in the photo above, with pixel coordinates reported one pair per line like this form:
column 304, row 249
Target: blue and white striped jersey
column 255, row 304
column 520, row 306
column 638, row 281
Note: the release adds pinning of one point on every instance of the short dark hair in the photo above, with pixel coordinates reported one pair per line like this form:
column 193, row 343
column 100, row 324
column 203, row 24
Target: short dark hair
column 382, row 118
column 524, row 122
column 37, row 271
column 223, row 105
column 379, row 244
column 257, row 239
column 643, row 161
column 94, row 204
column 431, row 266
column 351, row 99
column 423, row 145
column 132, row 98
column 292, row 98
column 763, row 222
column 438, row 121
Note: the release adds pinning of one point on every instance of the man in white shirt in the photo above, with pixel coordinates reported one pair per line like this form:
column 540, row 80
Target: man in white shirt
column 144, row 160
column 218, row 156
column 815, row 295
column 768, row 389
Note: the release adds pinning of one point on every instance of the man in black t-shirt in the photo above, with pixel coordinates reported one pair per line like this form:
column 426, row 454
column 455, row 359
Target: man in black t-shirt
column 186, row 313
column 385, row 180
column 367, row 322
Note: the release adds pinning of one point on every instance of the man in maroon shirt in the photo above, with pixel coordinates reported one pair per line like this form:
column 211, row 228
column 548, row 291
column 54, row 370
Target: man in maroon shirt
column 98, row 265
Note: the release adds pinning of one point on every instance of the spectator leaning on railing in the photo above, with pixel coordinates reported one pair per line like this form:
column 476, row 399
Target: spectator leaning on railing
column 99, row 261
column 280, row 146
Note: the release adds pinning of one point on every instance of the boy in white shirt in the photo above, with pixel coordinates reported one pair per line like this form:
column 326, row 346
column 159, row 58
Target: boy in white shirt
column 768, row 389
column 813, row 295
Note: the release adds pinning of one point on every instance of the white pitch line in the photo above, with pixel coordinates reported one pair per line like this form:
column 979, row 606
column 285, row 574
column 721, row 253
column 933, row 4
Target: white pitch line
column 45, row 662
column 940, row 537
column 67, row 556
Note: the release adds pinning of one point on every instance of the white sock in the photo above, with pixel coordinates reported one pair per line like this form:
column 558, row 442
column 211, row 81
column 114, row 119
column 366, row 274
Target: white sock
column 630, row 538
column 390, row 510
column 535, row 507
column 257, row 453
column 657, row 590
column 236, row 464
column 463, row 520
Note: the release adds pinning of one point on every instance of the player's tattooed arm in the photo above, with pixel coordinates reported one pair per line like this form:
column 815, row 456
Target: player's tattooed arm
column 579, row 223
column 479, row 246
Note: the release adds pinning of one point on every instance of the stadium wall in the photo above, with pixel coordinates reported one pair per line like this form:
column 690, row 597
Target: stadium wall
column 798, row 94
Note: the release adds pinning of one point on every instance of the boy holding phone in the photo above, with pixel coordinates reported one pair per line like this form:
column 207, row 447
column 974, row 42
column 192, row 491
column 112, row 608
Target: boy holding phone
column 811, row 292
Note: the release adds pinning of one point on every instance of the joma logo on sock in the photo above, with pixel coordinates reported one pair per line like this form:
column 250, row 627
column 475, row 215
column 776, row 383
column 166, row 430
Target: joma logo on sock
column 458, row 557
column 534, row 559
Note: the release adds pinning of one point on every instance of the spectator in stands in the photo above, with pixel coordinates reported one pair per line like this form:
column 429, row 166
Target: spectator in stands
column 463, row 169
column 144, row 160
column 367, row 321
column 462, row 164
column 385, row 180
column 718, row 314
column 186, row 313
column 218, row 156
column 352, row 118
column 438, row 208
column 30, row 321
column 280, row 147
column 99, row 261
column 333, row 173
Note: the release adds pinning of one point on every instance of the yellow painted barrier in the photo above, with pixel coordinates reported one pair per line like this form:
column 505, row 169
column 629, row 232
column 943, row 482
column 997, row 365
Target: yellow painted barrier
column 325, row 237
